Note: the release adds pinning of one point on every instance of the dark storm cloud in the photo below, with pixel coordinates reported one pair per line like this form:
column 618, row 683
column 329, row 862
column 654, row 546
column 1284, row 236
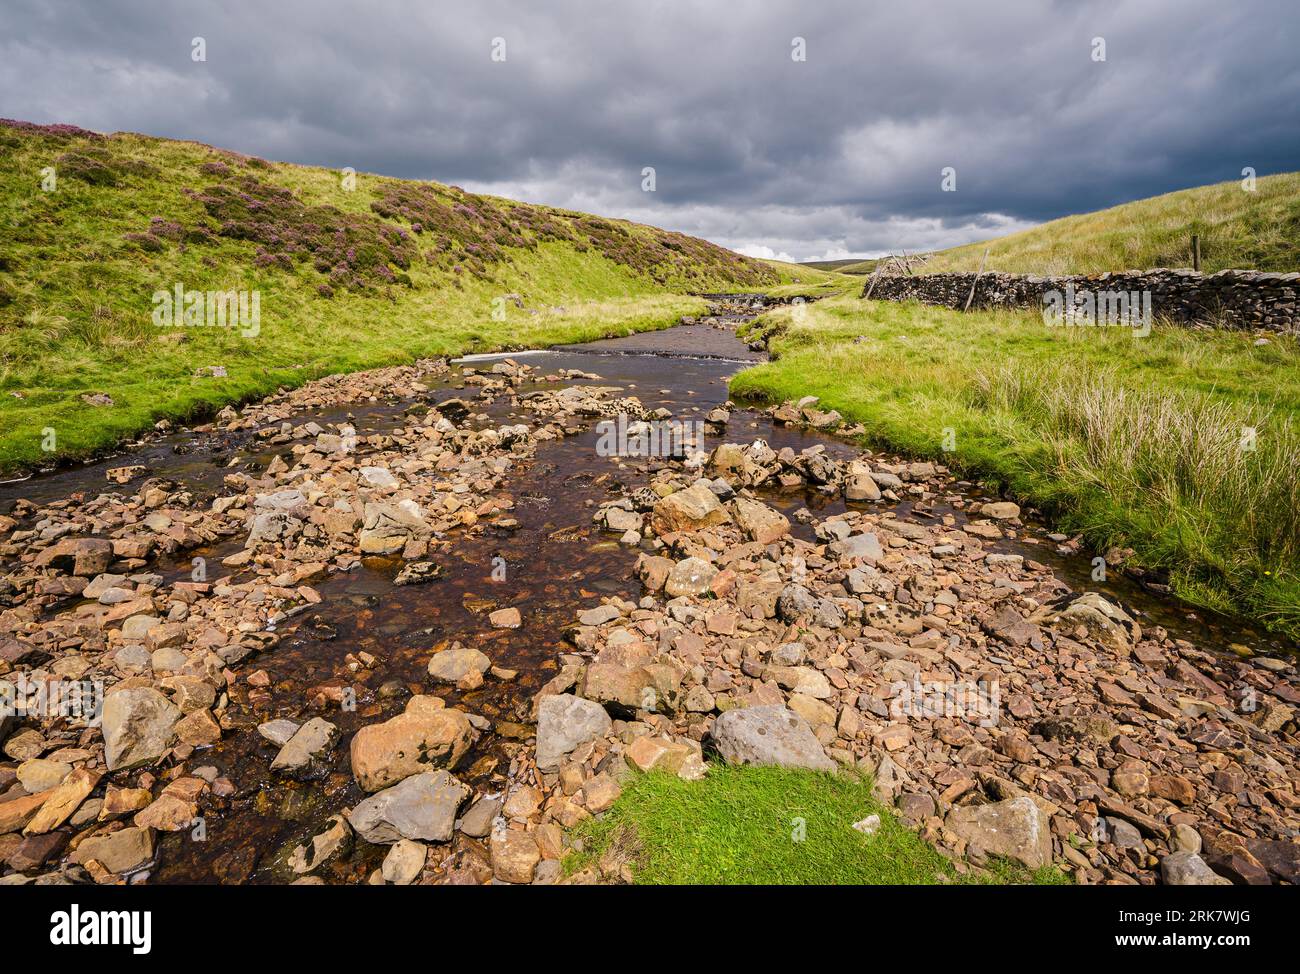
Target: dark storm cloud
column 840, row 153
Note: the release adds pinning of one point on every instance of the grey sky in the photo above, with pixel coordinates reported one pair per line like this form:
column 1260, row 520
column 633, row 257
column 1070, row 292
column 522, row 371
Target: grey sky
column 839, row 154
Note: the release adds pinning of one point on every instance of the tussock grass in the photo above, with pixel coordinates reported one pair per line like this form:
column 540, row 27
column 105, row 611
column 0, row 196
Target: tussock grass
column 767, row 826
column 1257, row 230
column 1135, row 442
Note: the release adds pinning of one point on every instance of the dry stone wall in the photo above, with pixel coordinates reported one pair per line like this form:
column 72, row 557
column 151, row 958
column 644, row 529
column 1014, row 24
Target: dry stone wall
column 1230, row 299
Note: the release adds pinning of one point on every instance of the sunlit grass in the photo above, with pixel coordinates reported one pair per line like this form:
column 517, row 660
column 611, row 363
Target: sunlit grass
column 768, row 826
column 1137, row 442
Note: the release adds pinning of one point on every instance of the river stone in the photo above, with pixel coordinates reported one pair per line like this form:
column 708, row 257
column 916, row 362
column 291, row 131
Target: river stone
column 1001, row 510
column 310, row 742
column 279, row 731
column 421, row 807
column 865, row 546
column 119, row 851
column 1104, row 621
column 565, row 722
column 627, row 688
column 138, row 726
column 453, row 665
column 103, row 583
column 617, row 519
column 387, row 527
column 802, row 679
column 690, row 576
column 84, row 557
column 136, row 628
column 687, row 510
column 333, row 843
column 477, row 822
column 404, row 862
column 768, row 735
column 422, row 738
column 598, row 616
column 270, row 526
column 41, row 774
column 1189, row 869
column 859, row 485
column 1016, row 828
column 759, row 522
column 514, row 856
column 280, row 500
column 377, row 477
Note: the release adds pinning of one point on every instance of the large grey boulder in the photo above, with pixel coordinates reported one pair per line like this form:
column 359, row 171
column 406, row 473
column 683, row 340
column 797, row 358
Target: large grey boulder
column 1016, row 829
column 138, row 726
column 565, row 722
column 768, row 735
column 422, row 807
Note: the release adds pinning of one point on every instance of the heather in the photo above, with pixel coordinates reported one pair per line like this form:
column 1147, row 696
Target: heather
column 348, row 279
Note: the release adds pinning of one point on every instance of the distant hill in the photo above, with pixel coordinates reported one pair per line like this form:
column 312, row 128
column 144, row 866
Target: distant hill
column 1257, row 230
column 831, row 265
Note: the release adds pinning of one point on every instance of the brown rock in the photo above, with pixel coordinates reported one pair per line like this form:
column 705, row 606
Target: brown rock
column 63, row 801
column 421, row 739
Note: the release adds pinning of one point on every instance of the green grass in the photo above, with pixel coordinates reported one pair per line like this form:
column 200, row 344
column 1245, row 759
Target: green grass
column 767, row 826
column 79, row 267
column 1135, row 442
column 1238, row 229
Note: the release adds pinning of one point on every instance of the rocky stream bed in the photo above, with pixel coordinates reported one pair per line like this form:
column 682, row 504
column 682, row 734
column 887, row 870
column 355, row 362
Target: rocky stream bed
column 414, row 625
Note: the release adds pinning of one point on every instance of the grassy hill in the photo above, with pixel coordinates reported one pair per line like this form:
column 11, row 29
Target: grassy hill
column 832, row 265
column 1257, row 230
column 348, row 274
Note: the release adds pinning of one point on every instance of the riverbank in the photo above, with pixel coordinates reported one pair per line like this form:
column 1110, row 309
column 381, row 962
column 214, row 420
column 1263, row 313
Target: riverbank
column 146, row 280
column 1174, row 452
column 418, row 626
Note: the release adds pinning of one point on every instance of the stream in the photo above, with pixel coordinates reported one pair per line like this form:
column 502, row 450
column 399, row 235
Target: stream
column 554, row 559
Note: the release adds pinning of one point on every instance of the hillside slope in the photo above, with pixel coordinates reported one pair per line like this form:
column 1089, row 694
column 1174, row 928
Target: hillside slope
column 1257, row 230
column 342, row 272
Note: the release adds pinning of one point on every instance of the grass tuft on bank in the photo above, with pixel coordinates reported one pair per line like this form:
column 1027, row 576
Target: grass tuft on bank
column 768, row 826
column 1182, row 445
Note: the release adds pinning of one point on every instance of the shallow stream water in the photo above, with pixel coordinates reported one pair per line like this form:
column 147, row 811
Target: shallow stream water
column 556, row 562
